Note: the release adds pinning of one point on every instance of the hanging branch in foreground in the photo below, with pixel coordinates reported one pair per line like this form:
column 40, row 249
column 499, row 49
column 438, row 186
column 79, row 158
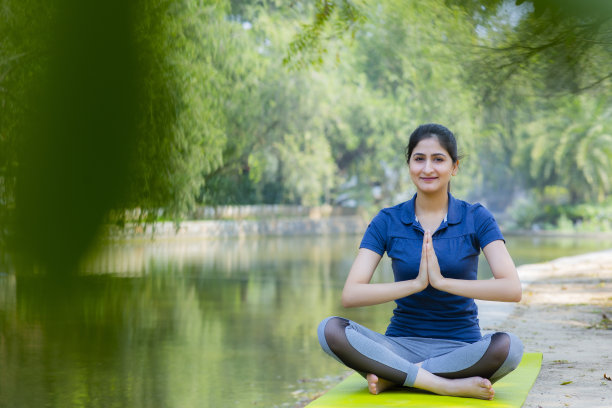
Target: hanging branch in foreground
column 332, row 19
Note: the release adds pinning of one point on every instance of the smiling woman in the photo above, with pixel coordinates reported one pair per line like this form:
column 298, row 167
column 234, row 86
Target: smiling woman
column 434, row 340
column 436, row 160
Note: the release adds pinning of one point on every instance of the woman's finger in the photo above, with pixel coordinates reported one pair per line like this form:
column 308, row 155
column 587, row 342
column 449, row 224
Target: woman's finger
column 424, row 249
column 432, row 259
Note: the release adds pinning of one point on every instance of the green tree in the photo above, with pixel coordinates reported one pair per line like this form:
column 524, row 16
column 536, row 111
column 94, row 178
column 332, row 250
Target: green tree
column 183, row 127
column 573, row 149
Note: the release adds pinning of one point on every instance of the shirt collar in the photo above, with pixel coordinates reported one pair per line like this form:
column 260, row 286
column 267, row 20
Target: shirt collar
column 453, row 216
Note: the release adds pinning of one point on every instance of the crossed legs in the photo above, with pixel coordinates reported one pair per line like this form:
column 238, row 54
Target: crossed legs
column 441, row 366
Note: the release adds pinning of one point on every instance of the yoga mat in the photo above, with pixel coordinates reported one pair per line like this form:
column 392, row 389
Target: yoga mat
column 510, row 392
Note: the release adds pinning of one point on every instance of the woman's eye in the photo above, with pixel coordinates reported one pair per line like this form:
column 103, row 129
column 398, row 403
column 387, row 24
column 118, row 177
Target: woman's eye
column 418, row 159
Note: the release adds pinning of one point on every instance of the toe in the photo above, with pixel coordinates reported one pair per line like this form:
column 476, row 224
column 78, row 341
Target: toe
column 372, row 388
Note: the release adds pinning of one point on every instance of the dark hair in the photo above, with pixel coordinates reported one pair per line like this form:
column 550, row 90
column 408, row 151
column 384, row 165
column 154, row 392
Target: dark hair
column 445, row 138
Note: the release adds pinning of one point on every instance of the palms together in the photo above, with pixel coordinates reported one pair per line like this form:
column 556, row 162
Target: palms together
column 429, row 269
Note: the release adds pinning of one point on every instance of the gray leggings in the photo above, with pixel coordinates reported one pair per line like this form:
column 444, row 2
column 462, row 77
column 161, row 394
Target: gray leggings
column 395, row 358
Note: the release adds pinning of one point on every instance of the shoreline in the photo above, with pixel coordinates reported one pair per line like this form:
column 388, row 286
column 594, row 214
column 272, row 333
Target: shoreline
column 313, row 224
column 240, row 228
column 560, row 234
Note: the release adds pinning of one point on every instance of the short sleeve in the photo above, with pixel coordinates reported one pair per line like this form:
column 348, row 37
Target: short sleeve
column 375, row 237
column 486, row 227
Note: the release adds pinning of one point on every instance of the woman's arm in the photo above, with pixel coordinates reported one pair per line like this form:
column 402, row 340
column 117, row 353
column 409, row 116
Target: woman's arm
column 505, row 287
column 358, row 291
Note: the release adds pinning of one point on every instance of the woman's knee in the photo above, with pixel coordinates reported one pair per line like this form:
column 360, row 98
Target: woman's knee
column 331, row 333
column 499, row 348
column 506, row 347
column 511, row 358
column 515, row 352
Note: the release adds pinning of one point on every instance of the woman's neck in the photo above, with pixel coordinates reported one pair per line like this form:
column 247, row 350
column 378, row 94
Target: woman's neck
column 431, row 203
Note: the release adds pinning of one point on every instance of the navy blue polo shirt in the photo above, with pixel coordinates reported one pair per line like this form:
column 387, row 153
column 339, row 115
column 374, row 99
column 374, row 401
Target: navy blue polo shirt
column 432, row 313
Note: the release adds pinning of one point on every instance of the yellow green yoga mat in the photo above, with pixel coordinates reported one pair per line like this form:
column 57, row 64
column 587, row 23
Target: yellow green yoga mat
column 510, row 392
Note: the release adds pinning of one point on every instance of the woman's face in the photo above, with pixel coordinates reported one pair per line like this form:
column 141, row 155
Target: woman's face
column 431, row 166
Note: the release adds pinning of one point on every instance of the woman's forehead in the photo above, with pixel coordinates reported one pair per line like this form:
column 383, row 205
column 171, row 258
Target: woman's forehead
column 431, row 145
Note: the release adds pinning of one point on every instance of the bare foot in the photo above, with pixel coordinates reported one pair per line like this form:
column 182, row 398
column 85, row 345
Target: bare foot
column 377, row 385
column 473, row 387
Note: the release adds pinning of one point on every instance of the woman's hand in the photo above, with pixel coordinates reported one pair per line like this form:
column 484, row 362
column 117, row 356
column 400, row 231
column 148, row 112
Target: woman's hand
column 422, row 278
column 358, row 291
column 433, row 268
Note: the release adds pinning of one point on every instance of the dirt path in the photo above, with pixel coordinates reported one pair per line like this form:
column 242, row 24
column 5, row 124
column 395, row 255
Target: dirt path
column 566, row 313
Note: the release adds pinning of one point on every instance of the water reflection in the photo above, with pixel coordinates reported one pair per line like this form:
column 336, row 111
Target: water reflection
column 172, row 324
column 182, row 324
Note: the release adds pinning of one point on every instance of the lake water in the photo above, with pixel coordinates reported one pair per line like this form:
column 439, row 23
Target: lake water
column 197, row 323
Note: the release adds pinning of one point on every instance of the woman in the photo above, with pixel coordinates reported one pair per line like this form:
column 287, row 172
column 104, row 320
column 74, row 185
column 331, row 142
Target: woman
column 433, row 341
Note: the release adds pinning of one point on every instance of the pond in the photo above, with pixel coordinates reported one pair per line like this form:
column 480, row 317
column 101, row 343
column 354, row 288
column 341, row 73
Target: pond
column 194, row 323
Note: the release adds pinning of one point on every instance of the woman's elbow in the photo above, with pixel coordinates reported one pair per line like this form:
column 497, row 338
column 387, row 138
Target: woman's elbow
column 347, row 301
column 348, row 298
column 517, row 292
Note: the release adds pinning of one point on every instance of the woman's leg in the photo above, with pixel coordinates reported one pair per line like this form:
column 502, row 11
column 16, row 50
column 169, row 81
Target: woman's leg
column 470, row 370
column 388, row 363
column 492, row 357
column 366, row 351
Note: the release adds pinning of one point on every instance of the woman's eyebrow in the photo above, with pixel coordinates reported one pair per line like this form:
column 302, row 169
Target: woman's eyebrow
column 433, row 154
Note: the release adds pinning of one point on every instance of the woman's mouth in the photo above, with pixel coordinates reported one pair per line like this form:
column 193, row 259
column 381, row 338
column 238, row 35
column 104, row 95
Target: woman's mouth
column 429, row 179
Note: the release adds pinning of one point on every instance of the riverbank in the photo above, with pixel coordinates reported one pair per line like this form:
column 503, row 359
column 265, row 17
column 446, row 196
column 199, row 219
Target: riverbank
column 311, row 224
column 214, row 229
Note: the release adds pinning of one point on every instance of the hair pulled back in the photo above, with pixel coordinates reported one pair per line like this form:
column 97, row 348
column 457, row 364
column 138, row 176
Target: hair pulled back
column 445, row 138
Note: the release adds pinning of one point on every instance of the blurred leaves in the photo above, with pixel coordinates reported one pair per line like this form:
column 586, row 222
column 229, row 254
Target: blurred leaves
column 70, row 120
column 331, row 19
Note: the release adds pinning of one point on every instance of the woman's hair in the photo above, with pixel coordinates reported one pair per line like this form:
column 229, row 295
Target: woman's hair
column 445, row 138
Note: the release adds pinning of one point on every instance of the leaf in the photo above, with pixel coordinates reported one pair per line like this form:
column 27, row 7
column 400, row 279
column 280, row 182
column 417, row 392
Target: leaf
column 566, row 382
column 606, row 377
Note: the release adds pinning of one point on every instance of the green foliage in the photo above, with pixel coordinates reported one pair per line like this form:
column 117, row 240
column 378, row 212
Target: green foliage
column 561, row 46
column 190, row 50
column 574, row 148
column 243, row 102
column 550, row 209
column 331, row 19
column 70, row 85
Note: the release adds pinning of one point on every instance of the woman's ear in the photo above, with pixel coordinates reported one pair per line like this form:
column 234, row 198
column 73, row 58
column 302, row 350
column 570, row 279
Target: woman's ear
column 455, row 168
